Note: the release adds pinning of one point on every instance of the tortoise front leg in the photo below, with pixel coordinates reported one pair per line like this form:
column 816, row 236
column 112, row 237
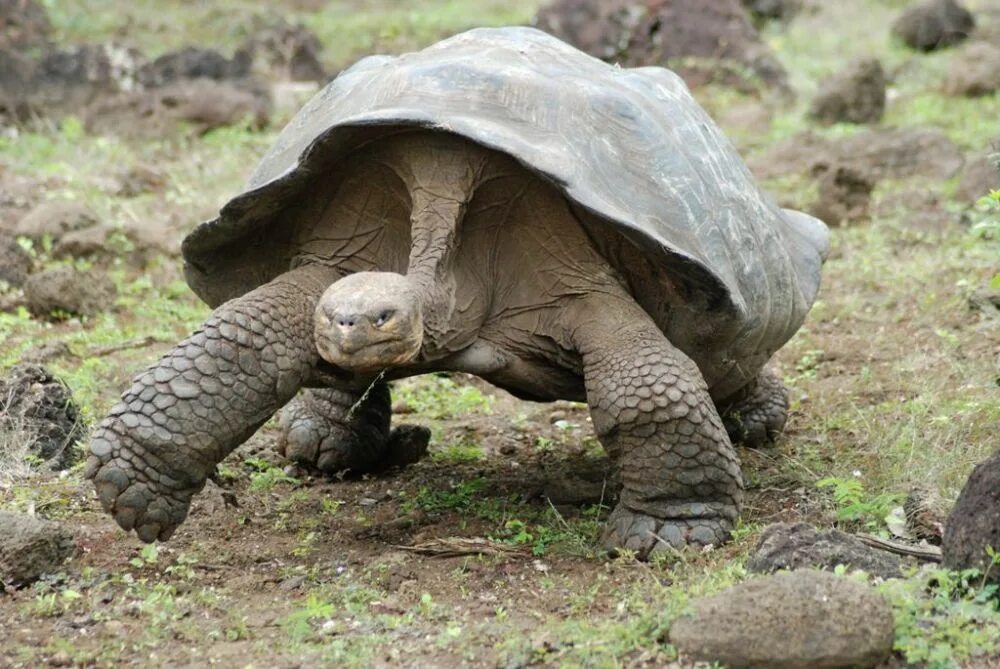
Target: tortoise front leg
column 652, row 412
column 182, row 416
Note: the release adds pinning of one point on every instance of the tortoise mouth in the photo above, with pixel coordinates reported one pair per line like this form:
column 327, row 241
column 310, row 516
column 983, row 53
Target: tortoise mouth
column 367, row 356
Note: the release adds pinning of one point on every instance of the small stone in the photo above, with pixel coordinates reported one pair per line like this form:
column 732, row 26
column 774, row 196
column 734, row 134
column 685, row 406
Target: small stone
column 48, row 351
column 40, row 408
column 67, row 291
column 287, row 52
column 60, row 659
column 194, row 63
column 800, row 545
column 924, row 510
column 367, row 501
column 980, row 175
column 54, row 219
column 15, row 263
column 23, row 23
column 855, row 95
column 974, row 71
column 974, row 523
column 845, row 195
column 557, row 416
column 986, row 301
column 89, row 242
column 934, row 25
column 764, row 10
column 31, row 548
column 789, row 621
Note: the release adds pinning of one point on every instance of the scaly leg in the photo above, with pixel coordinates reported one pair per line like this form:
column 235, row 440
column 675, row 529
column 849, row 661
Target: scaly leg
column 652, row 411
column 209, row 394
column 759, row 414
column 335, row 430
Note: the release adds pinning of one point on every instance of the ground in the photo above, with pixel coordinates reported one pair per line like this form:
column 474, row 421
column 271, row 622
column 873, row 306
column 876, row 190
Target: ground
column 894, row 383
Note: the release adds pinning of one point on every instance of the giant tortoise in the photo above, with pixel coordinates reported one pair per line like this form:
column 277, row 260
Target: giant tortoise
column 499, row 204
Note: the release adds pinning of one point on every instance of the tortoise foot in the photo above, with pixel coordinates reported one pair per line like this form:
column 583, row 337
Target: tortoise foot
column 647, row 535
column 332, row 431
column 758, row 418
column 138, row 495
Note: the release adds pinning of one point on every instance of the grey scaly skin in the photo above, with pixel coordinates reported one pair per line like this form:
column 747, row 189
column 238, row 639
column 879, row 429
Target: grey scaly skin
column 335, row 430
column 758, row 415
column 182, row 416
column 502, row 280
column 650, row 407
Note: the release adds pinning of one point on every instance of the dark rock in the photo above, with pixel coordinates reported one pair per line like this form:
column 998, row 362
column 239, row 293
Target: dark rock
column 933, row 25
column 195, row 63
column 855, row 95
column 918, row 208
column 925, row 513
column 845, row 195
column 704, row 42
column 23, row 23
column 800, row 545
column 979, row 176
column 65, row 81
column 210, row 105
column 91, row 242
column 789, row 621
column 47, row 351
column 141, row 179
column 287, row 52
column 38, row 406
column 766, row 10
column 974, row 523
column 15, row 263
column 880, row 154
column 68, row 291
column 16, row 74
column 974, row 71
column 205, row 104
column 986, row 300
column 897, row 154
column 137, row 245
column 55, row 219
column 31, row 548
column 68, row 79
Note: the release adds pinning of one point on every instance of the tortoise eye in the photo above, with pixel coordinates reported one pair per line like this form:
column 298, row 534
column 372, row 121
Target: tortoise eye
column 383, row 318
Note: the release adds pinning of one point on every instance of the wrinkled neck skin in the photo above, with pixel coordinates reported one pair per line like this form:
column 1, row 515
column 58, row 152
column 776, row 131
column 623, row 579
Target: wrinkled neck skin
column 410, row 313
column 441, row 173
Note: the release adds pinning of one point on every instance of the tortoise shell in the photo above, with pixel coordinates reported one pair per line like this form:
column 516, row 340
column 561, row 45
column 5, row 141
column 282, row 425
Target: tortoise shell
column 630, row 148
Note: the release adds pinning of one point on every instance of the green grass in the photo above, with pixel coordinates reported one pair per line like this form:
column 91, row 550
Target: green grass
column 440, row 397
column 347, row 28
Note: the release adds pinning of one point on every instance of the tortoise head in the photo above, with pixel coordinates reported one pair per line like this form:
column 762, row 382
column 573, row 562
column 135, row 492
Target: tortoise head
column 369, row 321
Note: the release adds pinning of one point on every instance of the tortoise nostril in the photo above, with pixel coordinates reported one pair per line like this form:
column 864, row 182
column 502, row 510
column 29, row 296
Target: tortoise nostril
column 346, row 321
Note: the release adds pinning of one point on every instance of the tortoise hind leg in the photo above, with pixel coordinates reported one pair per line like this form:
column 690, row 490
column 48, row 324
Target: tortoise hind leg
column 759, row 414
column 652, row 411
column 334, row 430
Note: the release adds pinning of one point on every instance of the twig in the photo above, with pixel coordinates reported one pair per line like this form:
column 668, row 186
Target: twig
column 927, row 553
column 460, row 546
column 364, row 396
column 101, row 351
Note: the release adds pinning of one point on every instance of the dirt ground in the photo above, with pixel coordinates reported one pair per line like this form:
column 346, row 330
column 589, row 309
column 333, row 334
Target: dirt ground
column 486, row 553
